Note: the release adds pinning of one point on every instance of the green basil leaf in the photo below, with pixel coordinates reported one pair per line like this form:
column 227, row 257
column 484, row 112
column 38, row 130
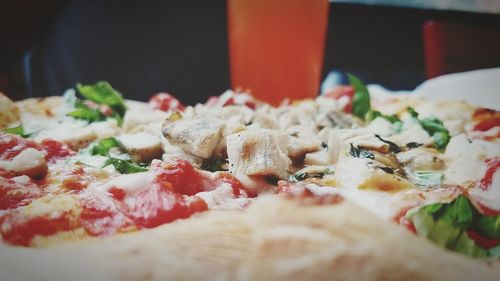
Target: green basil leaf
column 372, row 115
column 488, row 226
column 361, row 99
column 460, row 212
column 392, row 146
column 441, row 139
column 398, row 127
column 124, row 167
column 87, row 114
column 360, row 152
column 299, row 176
column 103, row 93
column 445, row 234
column 433, row 126
column 18, row 130
column 467, row 246
column 392, row 118
column 412, row 112
column 103, row 146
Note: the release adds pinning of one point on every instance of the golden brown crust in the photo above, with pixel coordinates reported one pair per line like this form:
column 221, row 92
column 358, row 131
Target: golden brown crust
column 275, row 239
column 9, row 112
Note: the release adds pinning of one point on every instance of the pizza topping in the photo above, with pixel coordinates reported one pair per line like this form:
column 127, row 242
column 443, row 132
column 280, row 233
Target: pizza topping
column 307, row 194
column 486, row 119
column 104, row 215
column 44, row 216
column 114, row 151
column 343, row 92
column 102, row 102
column 426, row 179
column 434, row 127
column 165, row 102
column 56, row 150
column 182, row 176
column 361, row 99
column 198, row 136
column 142, row 147
column 311, row 172
column 449, row 225
column 361, row 105
column 9, row 112
column 30, row 162
column 18, row 130
column 232, row 98
column 485, row 193
column 17, row 191
column 258, row 152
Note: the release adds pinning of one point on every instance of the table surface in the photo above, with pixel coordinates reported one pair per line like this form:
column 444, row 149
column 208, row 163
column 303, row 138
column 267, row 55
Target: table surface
column 475, row 6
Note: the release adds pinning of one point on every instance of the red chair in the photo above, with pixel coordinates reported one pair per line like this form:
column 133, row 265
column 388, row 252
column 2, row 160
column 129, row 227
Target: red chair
column 451, row 48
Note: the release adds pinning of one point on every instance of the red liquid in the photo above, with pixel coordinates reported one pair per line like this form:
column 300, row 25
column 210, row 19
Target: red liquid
column 276, row 47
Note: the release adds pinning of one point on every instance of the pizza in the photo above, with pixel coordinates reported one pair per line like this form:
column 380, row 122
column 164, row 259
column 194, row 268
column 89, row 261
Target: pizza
column 344, row 186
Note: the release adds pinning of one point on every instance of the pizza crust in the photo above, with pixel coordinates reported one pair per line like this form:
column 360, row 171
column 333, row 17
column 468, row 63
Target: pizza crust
column 274, row 239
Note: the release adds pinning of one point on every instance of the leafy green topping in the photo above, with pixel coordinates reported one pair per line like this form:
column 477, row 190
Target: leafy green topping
column 304, row 174
column 489, row 226
column 361, row 99
column 360, row 152
column 100, row 93
column 392, row 146
column 373, row 114
column 103, row 146
column 427, row 178
column 123, row 163
column 413, row 144
column 361, row 105
column 447, row 224
column 18, row 130
column 300, row 176
column 83, row 112
column 124, row 166
column 434, row 127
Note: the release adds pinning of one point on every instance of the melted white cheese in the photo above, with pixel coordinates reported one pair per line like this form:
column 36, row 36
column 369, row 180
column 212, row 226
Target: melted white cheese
column 377, row 202
column 222, row 198
column 28, row 159
column 491, row 197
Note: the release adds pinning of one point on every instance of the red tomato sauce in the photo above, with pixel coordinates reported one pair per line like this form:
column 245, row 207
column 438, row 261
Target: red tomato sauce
column 12, row 145
column 482, row 241
column 55, row 150
column 22, row 230
column 492, row 165
column 165, row 102
column 14, row 193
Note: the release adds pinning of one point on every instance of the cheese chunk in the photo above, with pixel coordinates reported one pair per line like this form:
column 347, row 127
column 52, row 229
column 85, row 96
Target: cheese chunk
column 30, row 162
column 70, row 133
column 465, row 160
column 258, row 152
column 142, row 147
column 137, row 120
column 198, row 136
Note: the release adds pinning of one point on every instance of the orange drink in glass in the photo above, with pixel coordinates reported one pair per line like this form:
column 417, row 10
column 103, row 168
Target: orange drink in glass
column 276, row 47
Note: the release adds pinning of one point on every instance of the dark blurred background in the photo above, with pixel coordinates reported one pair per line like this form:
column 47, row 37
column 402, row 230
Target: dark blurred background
column 143, row 47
